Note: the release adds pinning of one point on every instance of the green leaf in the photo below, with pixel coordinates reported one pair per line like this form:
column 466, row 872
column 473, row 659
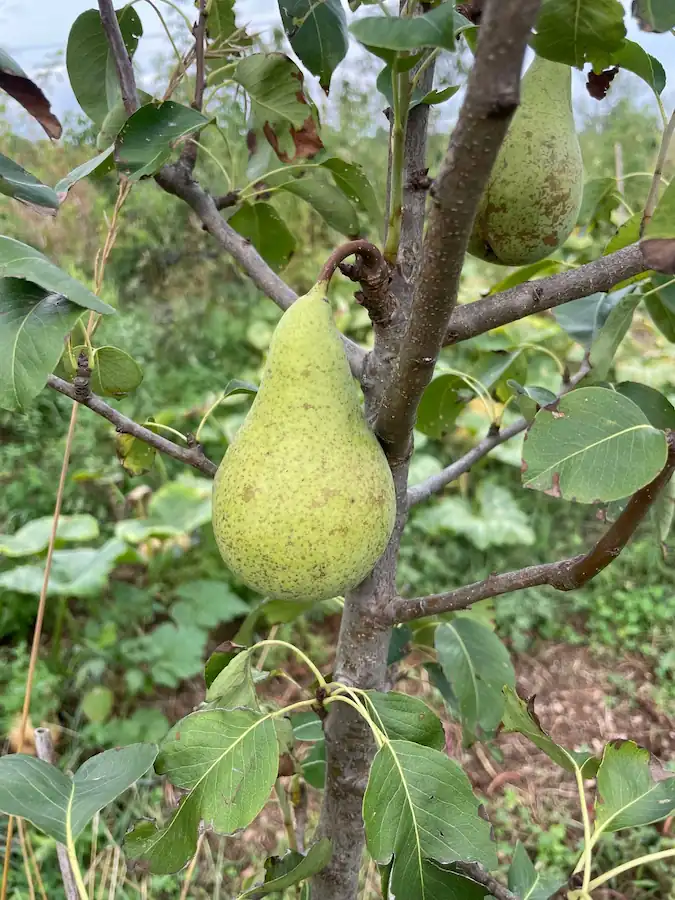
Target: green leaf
column 596, row 447
column 33, row 537
column 115, row 119
column 221, row 21
column 477, row 666
column 628, row 795
column 173, row 653
column 18, row 85
column 526, row 273
column 658, row 409
column 354, row 184
column 234, row 685
column 498, row 368
column 661, row 306
column 419, row 806
column 519, row 716
column 406, row 718
column 442, row 401
column 449, row 885
column 529, row 398
column 207, row 603
column 633, row 57
column 178, row 507
column 149, row 136
column 317, row 33
column 663, row 512
column 228, row 761
column 35, row 790
column 18, row 260
column 135, row 455
column 237, row 386
column 33, row 325
column 97, row 704
column 273, row 81
column 18, row 183
column 115, row 373
column 90, row 61
column 628, row 233
column 600, row 199
column 436, row 28
column 262, row 225
column 526, row 882
column 307, row 727
column 613, row 331
column 75, row 573
column 98, row 165
column 658, row 239
column 582, row 319
column 655, row 15
column 433, row 98
column 574, row 32
column 328, row 200
column 314, row 766
column 292, row 868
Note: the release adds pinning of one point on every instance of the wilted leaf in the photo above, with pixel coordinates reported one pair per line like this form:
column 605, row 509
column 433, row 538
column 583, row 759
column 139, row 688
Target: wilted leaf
column 18, row 85
column 273, row 83
column 596, row 447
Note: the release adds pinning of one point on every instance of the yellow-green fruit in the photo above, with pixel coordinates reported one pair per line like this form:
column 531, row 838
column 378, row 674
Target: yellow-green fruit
column 303, row 501
column 532, row 200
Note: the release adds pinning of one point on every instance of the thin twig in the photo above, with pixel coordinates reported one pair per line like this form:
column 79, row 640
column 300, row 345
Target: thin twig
column 564, row 575
column 123, row 64
column 472, row 319
column 436, row 482
column 492, row 97
column 26, row 861
column 44, row 749
column 191, row 148
column 33, row 859
column 653, row 196
column 37, row 632
column 191, row 868
column 191, row 456
column 477, row 873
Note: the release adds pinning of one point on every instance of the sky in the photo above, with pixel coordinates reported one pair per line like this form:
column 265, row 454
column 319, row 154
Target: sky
column 37, row 41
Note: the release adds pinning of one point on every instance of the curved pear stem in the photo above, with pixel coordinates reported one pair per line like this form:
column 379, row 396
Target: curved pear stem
column 369, row 253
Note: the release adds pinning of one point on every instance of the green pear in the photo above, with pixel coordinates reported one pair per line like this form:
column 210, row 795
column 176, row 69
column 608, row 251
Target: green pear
column 303, row 500
column 532, row 200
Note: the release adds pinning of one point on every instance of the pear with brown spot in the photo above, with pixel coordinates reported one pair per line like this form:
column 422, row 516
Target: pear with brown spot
column 534, row 193
column 303, row 501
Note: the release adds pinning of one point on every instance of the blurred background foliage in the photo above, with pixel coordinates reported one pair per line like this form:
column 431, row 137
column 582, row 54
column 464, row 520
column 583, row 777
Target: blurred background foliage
column 125, row 645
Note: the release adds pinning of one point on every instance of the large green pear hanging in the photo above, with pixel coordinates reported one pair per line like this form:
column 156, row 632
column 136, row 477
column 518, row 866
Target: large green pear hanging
column 532, row 200
column 303, row 501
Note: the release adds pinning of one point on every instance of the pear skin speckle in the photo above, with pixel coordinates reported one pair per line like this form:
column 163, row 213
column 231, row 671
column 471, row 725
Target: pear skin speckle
column 534, row 194
column 303, row 500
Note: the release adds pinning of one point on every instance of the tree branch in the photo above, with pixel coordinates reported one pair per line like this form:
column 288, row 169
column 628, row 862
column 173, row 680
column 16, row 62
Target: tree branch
column 425, row 489
column 602, row 274
column 564, row 575
column 177, row 179
column 123, row 64
column 190, row 150
column 478, row 873
column 191, row 456
column 491, row 99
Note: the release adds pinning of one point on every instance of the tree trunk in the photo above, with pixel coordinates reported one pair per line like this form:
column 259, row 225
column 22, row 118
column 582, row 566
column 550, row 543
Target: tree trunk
column 361, row 660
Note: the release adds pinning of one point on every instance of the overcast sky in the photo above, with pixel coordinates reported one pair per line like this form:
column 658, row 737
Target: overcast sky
column 38, row 38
